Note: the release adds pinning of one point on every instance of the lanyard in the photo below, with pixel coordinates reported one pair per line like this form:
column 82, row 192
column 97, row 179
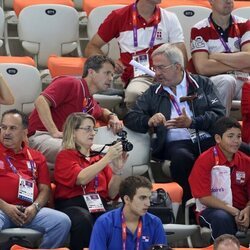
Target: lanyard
column 134, row 21
column 237, row 30
column 87, row 105
column 124, row 233
column 216, row 156
column 176, row 105
column 96, row 183
column 32, row 165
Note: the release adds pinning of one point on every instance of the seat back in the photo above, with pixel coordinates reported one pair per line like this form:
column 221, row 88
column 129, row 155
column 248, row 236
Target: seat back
column 47, row 29
column 188, row 17
column 96, row 17
column 27, row 236
column 138, row 160
column 1, row 27
column 242, row 12
column 25, row 83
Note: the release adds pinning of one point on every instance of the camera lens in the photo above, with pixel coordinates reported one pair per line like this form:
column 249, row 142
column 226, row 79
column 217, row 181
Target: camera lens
column 127, row 146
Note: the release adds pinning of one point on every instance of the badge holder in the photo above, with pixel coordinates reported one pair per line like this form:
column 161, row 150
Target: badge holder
column 26, row 190
column 94, row 203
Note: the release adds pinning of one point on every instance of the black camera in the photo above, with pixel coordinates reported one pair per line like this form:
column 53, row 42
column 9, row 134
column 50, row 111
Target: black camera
column 126, row 145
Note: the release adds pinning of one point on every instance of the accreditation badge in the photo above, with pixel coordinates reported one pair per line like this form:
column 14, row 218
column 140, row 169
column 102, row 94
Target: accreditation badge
column 240, row 177
column 143, row 59
column 26, row 190
column 94, row 203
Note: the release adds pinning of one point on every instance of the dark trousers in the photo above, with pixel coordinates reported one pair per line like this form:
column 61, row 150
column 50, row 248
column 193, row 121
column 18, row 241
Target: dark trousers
column 82, row 220
column 219, row 221
column 182, row 155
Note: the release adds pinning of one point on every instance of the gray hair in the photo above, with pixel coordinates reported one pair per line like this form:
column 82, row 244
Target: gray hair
column 171, row 52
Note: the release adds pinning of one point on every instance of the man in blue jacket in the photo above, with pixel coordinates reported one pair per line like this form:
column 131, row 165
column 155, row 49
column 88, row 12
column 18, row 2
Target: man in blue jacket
column 129, row 227
column 177, row 108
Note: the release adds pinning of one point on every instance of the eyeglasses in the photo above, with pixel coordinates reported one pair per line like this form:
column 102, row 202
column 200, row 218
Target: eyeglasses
column 89, row 129
column 162, row 67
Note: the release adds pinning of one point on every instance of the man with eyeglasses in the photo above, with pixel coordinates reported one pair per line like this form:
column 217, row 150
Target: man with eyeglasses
column 66, row 95
column 220, row 47
column 178, row 108
column 25, row 185
column 139, row 28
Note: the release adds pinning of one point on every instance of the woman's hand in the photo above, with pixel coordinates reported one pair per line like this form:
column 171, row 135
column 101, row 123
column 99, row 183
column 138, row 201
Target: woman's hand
column 118, row 163
column 114, row 151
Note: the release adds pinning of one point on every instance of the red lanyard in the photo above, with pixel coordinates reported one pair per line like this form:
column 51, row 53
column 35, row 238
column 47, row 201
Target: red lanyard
column 134, row 20
column 237, row 31
column 124, row 233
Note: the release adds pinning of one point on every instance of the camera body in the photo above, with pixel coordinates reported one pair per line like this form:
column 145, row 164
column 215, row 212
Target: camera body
column 126, row 145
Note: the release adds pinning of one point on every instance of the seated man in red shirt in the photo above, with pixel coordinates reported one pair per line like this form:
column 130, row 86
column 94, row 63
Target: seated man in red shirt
column 66, row 95
column 220, row 182
column 25, row 185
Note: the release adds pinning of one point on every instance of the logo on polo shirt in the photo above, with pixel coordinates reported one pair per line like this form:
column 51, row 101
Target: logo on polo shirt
column 240, row 177
column 145, row 238
column 198, row 43
column 159, row 35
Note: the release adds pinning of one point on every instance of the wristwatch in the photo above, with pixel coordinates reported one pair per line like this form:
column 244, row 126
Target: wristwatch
column 37, row 206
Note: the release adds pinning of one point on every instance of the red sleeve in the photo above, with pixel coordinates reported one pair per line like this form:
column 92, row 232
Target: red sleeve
column 59, row 91
column 200, row 177
column 67, row 168
column 109, row 28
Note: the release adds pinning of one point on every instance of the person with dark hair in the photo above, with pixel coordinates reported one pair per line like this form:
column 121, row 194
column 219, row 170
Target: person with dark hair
column 25, row 185
column 68, row 94
column 85, row 180
column 130, row 226
column 177, row 108
column 220, row 182
column 226, row 242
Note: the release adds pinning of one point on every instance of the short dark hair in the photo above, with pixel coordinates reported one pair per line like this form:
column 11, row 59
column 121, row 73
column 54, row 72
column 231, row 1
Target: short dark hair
column 129, row 186
column 227, row 239
column 24, row 117
column 95, row 62
column 223, row 124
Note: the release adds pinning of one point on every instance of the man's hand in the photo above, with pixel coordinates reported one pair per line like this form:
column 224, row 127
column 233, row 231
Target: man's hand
column 119, row 67
column 243, row 220
column 115, row 124
column 156, row 120
column 57, row 134
column 15, row 213
column 182, row 121
column 30, row 212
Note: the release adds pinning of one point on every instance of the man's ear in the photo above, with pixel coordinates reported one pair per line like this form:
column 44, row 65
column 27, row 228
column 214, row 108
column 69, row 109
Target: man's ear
column 217, row 138
column 90, row 72
column 126, row 199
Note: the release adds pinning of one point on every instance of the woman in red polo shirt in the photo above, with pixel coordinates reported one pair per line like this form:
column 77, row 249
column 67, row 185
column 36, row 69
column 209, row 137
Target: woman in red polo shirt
column 85, row 181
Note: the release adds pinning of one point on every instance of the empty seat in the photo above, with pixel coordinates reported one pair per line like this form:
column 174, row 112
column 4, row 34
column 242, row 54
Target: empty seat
column 242, row 12
column 188, row 17
column 25, row 83
column 48, row 29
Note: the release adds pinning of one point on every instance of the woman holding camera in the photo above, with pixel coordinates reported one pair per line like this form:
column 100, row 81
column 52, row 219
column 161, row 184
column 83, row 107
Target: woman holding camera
column 85, row 181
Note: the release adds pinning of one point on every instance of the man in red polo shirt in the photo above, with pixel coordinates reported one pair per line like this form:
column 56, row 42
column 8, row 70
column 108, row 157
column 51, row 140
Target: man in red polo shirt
column 220, row 182
column 68, row 94
column 25, row 185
